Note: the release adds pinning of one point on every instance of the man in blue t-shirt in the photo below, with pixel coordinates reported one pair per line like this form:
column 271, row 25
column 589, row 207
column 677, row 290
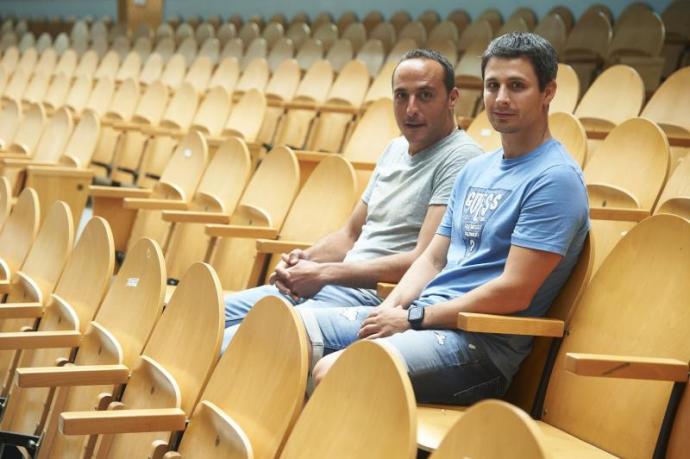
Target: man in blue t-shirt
column 513, row 230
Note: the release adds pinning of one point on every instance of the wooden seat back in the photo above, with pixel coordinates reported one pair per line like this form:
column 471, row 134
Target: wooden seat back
column 338, row 420
column 25, row 139
column 174, row 71
column 213, row 111
column 400, row 48
column 628, row 29
column 675, row 197
column 254, row 76
column 666, row 105
column 257, row 389
column 130, row 68
column 152, row 104
column 28, row 61
column 177, row 360
column 414, row 30
column 219, row 191
column 569, row 131
column 553, row 28
column 72, row 306
column 112, row 338
column 474, row 434
column 10, row 118
column 182, row 108
column 109, row 65
column 80, row 92
column 478, row 31
column 5, row 200
column 651, row 262
column 247, row 115
column 615, row 96
column 37, row 88
column 17, row 85
column 54, row 137
column 101, row 97
column 226, row 74
column 279, row 172
column 310, row 51
column 483, row 133
column 82, row 143
column 257, row 49
column 590, row 37
column 88, row 63
column 18, row 232
column 381, row 86
column 283, row 84
column 165, row 48
column 373, row 55
column 210, row 48
column 187, row 49
column 152, row 69
column 199, row 73
column 568, row 92
column 384, row 32
column 124, row 102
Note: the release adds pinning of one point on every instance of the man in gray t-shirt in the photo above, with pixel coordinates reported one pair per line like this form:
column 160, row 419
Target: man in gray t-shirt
column 399, row 211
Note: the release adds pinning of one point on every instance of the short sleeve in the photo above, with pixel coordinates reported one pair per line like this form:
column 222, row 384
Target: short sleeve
column 366, row 196
column 553, row 211
column 446, row 173
column 446, row 226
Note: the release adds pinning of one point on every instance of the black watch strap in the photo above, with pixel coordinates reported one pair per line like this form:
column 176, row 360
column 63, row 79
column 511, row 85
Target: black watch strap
column 415, row 315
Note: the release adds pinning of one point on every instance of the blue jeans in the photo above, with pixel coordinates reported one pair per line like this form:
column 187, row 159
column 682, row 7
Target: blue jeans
column 238, row 304
column 445, row 366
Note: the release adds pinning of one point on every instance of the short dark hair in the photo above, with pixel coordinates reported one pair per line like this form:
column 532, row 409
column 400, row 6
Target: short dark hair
column 536, row 49
column 419, row 53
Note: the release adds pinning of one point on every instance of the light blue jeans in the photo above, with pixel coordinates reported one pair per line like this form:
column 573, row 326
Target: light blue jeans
column 445, row 366
column 238, row 304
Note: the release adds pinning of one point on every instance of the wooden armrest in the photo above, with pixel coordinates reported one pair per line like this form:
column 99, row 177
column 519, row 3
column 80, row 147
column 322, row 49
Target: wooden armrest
column 383, row 289
column 15, row 151
column 18, row 160
column 624, row 366
column 195, row 217
column 21, row 310
column 39, row 339
column 4, row 286
column 157, row 204
column 214, row 141
column 59, row 171
column 363, row 165
column 331, row 107
column 618, row 214
column 122, row 421
column 679, row 141
column 510, row 325
column 72, row 375
column 250, row 232
column 311, row 156
column 301, row 105
column 269, row 246
column 118, row 192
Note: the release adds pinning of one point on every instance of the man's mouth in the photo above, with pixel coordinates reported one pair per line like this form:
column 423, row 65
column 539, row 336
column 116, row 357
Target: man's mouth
column 414, row 125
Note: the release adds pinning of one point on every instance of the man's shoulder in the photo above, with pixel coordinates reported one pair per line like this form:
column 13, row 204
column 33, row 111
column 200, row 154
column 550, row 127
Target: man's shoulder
column 459, row 143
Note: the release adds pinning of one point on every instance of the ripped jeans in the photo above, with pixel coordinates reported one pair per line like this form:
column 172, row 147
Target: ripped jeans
column 445, row 366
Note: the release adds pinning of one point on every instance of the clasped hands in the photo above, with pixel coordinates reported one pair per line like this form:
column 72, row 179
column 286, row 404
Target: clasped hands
column 297, row 276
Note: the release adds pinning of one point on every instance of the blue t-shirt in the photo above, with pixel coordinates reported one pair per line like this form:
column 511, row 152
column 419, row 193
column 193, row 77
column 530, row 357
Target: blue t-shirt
column 537, row 201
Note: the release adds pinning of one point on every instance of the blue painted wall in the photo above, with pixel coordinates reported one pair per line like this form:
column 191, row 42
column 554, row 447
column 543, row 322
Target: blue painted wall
column 268, row 7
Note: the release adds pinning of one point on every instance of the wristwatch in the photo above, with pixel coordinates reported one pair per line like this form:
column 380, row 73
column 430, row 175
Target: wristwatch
column 415, row 316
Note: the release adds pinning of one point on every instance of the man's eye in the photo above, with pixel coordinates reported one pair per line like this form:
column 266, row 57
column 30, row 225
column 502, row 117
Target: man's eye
column 425, row 95
column 517, row 85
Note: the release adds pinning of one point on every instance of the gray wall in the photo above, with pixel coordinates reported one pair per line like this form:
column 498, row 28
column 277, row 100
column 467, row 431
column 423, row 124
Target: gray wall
column 268, row 7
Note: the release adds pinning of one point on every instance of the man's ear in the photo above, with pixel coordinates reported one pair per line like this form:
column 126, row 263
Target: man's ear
column 453, row 96
column 549, row 91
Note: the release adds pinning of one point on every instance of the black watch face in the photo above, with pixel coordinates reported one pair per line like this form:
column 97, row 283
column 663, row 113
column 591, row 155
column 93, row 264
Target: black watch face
column 416, row 313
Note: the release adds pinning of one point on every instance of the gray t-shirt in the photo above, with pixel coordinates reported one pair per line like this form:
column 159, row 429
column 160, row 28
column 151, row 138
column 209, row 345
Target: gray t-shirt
column 402, row 188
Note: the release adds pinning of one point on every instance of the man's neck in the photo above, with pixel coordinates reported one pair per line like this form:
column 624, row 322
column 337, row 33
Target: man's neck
column 520, row 143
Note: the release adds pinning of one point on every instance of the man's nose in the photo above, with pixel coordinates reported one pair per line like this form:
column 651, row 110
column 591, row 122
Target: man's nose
column 502, row 94
column 412, row 106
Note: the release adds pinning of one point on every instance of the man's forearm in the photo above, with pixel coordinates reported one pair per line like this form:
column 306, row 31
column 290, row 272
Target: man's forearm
column 366, row 274
column 331, row 248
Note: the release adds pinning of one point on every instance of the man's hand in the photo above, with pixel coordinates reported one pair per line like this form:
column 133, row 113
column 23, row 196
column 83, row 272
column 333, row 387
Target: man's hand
column 384, row 321
column 286, row 260
column 303, row 279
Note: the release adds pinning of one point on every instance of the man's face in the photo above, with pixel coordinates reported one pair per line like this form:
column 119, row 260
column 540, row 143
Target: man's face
column 423, row 106
column 512, row 97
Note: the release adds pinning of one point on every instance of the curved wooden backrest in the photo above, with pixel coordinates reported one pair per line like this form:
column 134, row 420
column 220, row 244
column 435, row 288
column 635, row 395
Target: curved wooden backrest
column 340, row 54
column 326, row 200
column 152, row 70
column 233, row 48
column 174, row 71
column 483, row 133
column 372, row 19
column 446, row 48
column 186, row 340
column 258, row 48
column 79, row 93
column 338, row 420
column 37, row 88
column 257, row 389
column 666, row 107
column 675, row 198
column 249, row 31
column 213, row 111
column 124, row 101
column 204, row 31
column 311, row 51
column 199, row 73
column 46, row 62
column 351, row 85
column 299, row 33
column 327, row 33
column 254, row 76
column 25, row 139
column 372, row 54
column 87, row 64
column 283, row 84
column 373, row 132
column 19, row 231
column 474, row 435
column 182, row 107
column 142, row 46
column 10, row 58
column 108, row 66
column 316, row 82
column 381, row 86
column 130, row 68
column 346, row 19
column 590, row 37
column 567, row 90
column 183, row 32
column 187, row 49
column 10, row 118
column 16, row 85
column 386, row 34
column 553, row 28
column 634, row 158
column 57, row 92
column 513, row 24
column 226, row 74
column 401, row 47
column 67, row 63
column 272, row 33
column 651, row 263
column 225, row 32
column 152, row 103
column 675, row 18
column 640, row 22
column 210, row 49
column 5, row 200
column 82, row 143
column 247, row 115
column 357, row 34
column 54, row 136
column 165, row 48
column 615, row 96
column 185, row 167
column 101, row 96
column 53, row 244
column 478, row 31
column 444, row 30
column 414, row 30
column 569, row 131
